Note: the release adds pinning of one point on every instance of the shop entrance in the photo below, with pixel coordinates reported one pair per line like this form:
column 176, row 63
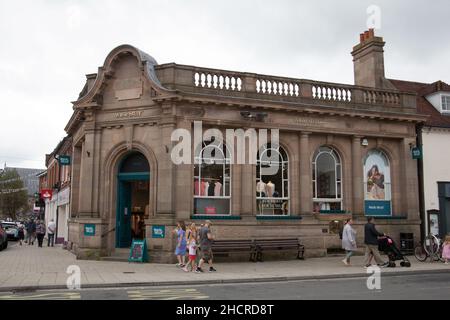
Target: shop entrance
column 132, row 199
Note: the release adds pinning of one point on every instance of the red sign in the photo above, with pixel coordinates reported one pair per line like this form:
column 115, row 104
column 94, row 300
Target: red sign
column 46, row 193
column 210, row 210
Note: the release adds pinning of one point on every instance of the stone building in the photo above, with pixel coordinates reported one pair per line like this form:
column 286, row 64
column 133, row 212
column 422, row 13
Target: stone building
column 344, row 152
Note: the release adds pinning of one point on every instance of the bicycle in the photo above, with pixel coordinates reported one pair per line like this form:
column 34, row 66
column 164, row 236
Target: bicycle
column 431, row 248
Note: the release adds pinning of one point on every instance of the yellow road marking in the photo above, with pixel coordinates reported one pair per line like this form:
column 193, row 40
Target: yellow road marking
column 166, row 294
column 43, row 296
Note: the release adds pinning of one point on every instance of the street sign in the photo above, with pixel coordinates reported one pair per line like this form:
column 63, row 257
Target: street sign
column 64, row 160
column 416, row 153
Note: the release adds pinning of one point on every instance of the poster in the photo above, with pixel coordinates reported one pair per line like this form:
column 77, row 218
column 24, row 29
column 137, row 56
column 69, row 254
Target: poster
column 377, row 182
column 138, row 251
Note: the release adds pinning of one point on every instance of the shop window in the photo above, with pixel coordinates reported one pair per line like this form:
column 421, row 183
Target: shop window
column 272, row 181
column 327, row 180
column 377, row 184
column 212, row 179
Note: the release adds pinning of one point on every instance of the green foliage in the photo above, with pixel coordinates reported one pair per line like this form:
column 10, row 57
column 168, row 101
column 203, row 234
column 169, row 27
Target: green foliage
column 13, row 195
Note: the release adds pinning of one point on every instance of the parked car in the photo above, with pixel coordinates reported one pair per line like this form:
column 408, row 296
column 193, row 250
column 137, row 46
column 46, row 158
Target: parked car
column 11, row 229
column 3, row 238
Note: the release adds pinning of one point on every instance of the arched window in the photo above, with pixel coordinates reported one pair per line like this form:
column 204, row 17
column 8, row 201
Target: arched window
column 377, row 184
column 135, row 162
column 212, row 178
column 327, row 180
column 272, row 181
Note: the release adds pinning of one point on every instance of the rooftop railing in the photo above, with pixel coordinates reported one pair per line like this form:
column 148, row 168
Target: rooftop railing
column 250, row 85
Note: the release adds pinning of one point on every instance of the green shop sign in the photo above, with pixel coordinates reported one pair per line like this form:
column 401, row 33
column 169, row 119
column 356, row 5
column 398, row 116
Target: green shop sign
column 89, row 230
column 416, row 153
column 64, row 160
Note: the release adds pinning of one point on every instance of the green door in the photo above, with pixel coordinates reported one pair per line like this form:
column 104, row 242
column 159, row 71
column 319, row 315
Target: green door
column 123, row 229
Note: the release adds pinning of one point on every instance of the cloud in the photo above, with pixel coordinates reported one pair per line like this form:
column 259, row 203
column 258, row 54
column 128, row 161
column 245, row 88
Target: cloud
column 48, row 46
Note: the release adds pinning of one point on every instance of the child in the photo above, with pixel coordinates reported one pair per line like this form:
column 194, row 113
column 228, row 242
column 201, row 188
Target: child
column 192, row 247
column 446, row 249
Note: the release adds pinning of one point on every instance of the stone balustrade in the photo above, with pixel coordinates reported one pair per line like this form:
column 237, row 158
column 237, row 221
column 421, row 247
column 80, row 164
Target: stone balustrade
column 192, row 79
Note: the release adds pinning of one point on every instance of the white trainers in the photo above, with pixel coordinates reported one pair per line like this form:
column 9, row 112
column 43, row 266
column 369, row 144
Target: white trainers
column 345, row 262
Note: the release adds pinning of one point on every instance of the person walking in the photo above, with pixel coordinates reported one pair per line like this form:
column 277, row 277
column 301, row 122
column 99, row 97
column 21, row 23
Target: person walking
column 40, row 232
column 371, row 244
column 206, row 240
column 51, row 228
column 191, row 238
column 180, row 250
column 21, row 233
column 446, row 249
column 348, row 241
column 31, row 232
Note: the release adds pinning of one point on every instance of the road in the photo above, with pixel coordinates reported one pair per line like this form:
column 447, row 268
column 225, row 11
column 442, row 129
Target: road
column 426, row 286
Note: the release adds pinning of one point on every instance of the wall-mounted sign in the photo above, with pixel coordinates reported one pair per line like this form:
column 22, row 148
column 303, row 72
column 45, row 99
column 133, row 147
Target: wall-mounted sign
column 89, row 230
column 64, row 160
column 138, row 251
column 46, row 193
column 377, row 208
column 416, row 153
column 158, row 231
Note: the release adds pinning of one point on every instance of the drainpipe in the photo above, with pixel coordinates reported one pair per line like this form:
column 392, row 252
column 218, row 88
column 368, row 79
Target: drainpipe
column 423, row 217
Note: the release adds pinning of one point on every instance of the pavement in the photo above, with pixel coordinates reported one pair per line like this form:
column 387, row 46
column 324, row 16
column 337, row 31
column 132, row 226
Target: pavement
column 32, row 268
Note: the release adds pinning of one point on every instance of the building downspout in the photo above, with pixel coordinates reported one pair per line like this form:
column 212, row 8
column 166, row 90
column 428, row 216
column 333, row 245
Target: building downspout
column 423, row 217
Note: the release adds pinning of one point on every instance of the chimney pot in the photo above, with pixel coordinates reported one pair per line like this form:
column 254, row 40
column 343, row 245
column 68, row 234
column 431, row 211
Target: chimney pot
column 371, row 33
column 361, row 37
column 366, row 35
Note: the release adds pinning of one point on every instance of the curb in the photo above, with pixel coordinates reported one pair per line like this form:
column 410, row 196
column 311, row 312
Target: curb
column 218, row 281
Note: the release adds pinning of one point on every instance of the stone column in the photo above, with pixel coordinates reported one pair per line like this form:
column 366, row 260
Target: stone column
column 184, row 182
column 75, row 182
column 357, row 177
column 305, row 176
column 294, row 177
column 86, row 175
column 248, row 192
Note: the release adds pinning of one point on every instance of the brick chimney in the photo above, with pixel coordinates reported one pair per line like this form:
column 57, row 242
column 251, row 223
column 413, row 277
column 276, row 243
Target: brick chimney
column 368, row 61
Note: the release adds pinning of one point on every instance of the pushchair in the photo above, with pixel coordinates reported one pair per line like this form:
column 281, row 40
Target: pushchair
column 387, row 245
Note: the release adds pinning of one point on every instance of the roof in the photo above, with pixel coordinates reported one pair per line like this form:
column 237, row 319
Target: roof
column 436, row 119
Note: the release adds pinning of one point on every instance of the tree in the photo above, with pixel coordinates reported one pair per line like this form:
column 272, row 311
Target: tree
column 13, row 195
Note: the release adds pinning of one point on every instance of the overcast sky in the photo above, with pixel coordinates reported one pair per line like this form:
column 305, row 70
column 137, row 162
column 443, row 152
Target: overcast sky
column 47, row 47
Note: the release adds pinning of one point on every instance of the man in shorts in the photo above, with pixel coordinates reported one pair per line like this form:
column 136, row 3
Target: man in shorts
column 206, row 240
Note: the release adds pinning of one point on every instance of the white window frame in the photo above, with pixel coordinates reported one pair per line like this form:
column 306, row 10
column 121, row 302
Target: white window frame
column 199, row 160
column 445, row 101
column 283, row 180
column 338, row 182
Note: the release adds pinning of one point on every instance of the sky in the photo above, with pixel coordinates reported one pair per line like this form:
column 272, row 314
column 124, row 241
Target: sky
column 48, row 46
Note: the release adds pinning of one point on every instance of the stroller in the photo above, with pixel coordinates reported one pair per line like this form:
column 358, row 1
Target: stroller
column 387, row 245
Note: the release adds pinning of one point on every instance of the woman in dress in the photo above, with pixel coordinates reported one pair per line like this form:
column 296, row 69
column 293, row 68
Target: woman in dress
column 180, row 250
column 348, row 241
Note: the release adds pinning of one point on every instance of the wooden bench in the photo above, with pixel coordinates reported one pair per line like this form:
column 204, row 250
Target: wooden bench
column 239, row 246
column 290, row 244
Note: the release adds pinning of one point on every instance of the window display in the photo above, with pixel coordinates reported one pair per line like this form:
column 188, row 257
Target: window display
column 327, row 184
column 272, row 183
column 212, row 180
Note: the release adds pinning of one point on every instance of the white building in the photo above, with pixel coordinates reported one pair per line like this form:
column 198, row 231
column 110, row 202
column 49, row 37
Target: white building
column 433, row 100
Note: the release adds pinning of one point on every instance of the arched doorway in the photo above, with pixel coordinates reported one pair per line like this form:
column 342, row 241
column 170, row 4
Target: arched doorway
column 132, row 199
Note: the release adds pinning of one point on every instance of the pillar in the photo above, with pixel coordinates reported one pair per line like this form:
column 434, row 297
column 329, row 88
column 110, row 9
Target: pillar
column 305, row 175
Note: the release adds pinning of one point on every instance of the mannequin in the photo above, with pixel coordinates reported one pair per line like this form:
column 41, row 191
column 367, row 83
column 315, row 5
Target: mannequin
column 260, row 189
column 270, row 189
column 217, row 189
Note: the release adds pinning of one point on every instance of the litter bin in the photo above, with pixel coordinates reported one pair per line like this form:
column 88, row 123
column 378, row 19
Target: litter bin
column 407, row 243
